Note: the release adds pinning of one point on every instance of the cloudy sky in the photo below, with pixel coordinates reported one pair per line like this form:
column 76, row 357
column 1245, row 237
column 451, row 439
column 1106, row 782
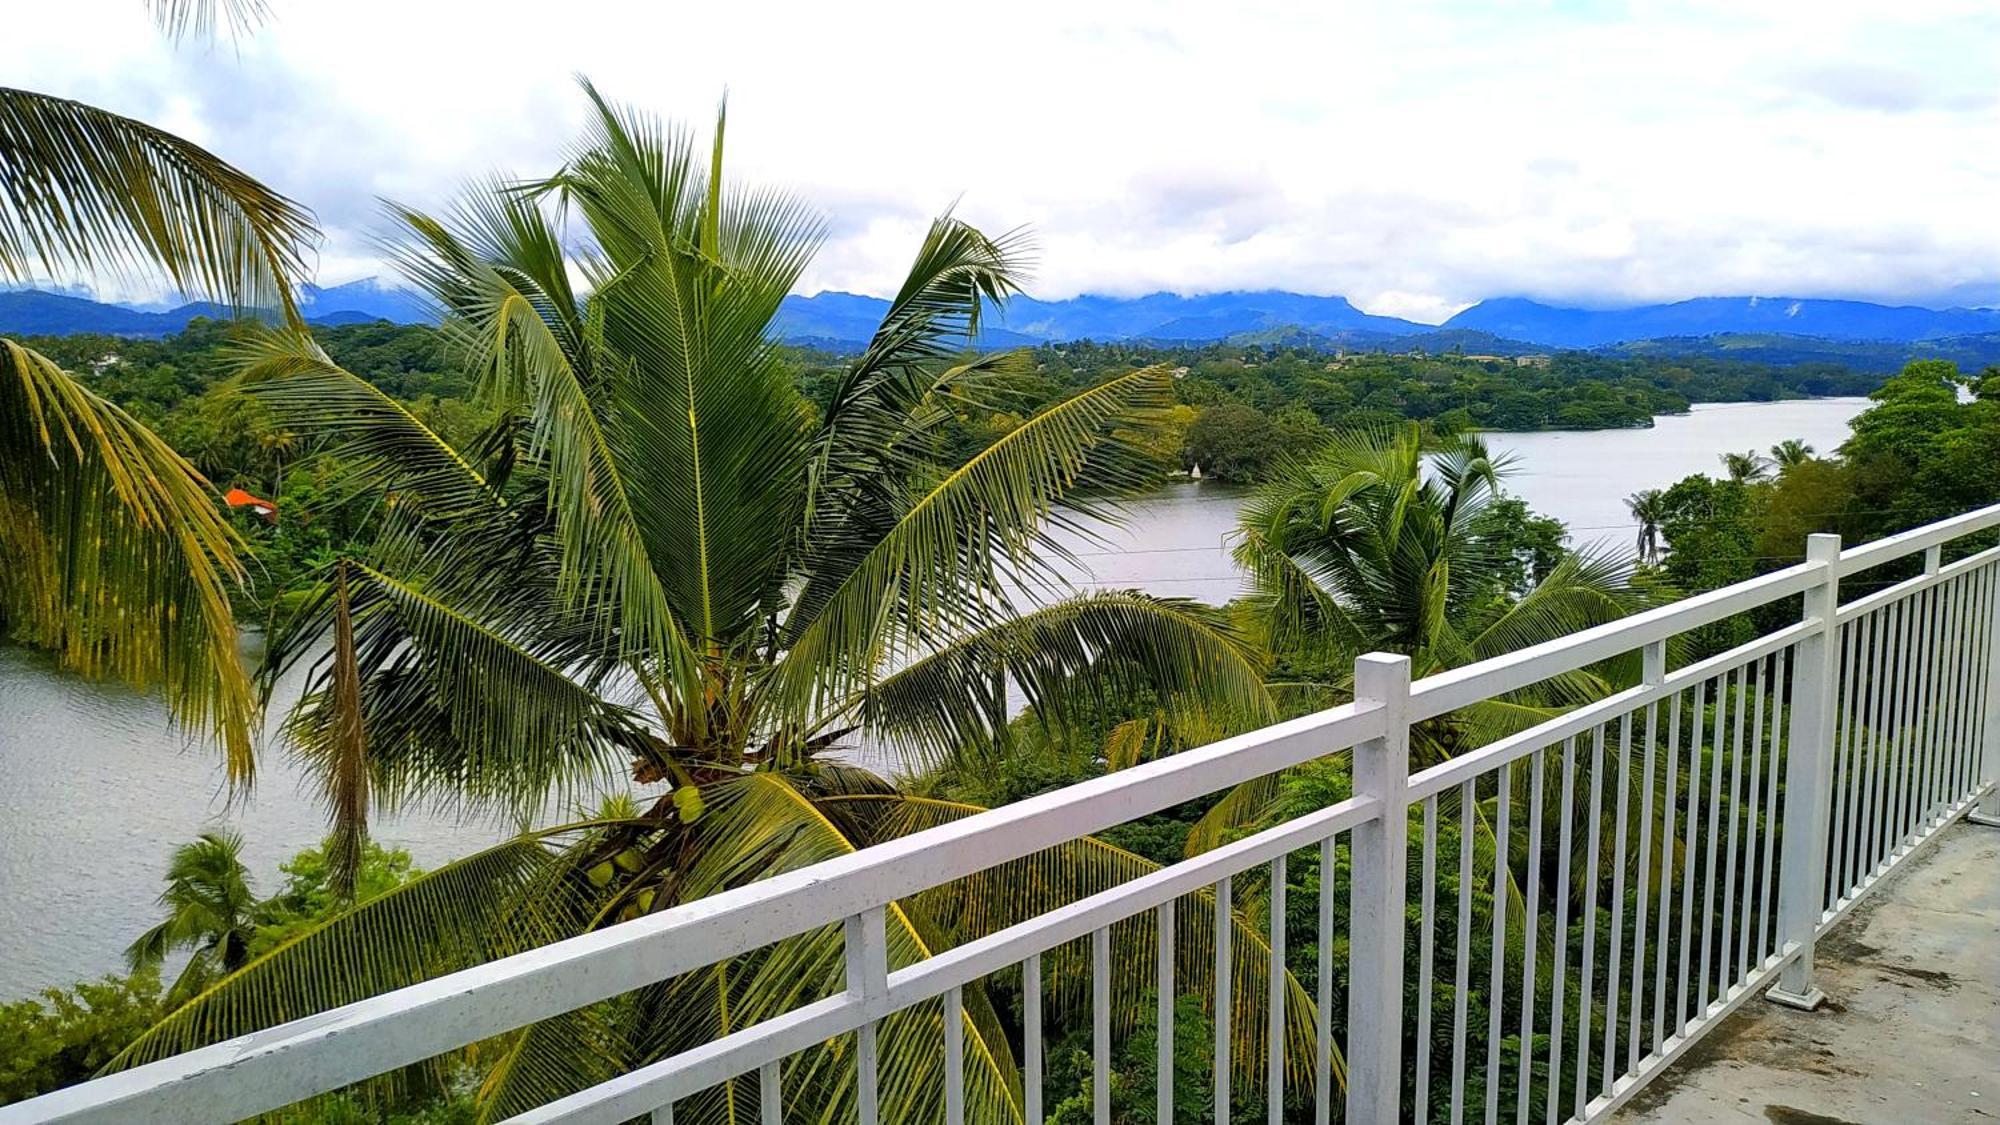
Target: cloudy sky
column 1414, row 157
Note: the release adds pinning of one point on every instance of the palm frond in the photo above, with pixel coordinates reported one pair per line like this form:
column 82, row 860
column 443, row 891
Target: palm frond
column 935, row 314
column 382, row 447
column 764, row 823
column 86, row 191
column 942, row 565
column 1072, row 660
column 116, row 557
column 532, row 349
column 498, row 901
column 455, row 708
column 204, row 19
column 345, row 757
column 702, row 417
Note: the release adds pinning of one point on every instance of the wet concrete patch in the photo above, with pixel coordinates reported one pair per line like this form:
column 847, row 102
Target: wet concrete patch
column 1787, row 1115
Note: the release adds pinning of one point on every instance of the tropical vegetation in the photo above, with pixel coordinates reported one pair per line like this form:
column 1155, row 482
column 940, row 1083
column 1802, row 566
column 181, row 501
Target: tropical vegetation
column 1924, row 451
column 113, row 554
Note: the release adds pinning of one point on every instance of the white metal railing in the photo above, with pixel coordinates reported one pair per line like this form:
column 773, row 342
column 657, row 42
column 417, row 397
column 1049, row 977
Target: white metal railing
column 1747, row 801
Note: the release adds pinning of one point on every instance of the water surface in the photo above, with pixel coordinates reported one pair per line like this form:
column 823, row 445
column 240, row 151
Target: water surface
column 96, row 789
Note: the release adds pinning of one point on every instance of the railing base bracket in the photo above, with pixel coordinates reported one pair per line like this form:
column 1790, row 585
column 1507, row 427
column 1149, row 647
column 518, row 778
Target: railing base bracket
column 1984, row 820
column 1804, row 1002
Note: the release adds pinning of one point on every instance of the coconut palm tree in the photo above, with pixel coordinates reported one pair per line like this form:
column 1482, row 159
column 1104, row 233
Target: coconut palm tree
column 113, row 553
column 1790, row 454
column 1372, row 545
column 1746, row 467
column 1648, row 508
column 210, row 910
column 662, row 573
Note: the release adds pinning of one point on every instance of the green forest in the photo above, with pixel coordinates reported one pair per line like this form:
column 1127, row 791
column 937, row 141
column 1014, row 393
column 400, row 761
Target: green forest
column 1236, row 412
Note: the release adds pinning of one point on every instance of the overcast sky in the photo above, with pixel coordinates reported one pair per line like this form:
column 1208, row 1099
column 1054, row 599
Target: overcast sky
column 1414, row 157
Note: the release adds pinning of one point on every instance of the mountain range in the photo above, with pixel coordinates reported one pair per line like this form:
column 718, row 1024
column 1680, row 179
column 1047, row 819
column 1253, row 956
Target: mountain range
column 33, row 312
column 842, row 321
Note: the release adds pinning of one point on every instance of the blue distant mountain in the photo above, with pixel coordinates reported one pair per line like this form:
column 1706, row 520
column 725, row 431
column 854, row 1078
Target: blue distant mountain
column 1553, row 326
column 844, row 321
column 1161, row 317
column 32, row 312
column 364, row 300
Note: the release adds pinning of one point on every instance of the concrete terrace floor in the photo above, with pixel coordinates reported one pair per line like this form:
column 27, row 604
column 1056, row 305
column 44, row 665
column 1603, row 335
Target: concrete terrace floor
column 1911, row 1033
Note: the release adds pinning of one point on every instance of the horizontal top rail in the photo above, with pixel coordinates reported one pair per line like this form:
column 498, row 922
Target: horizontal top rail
column 1461, row 687
column 273, row 1068
column 655, row 1084
column 253, row 1073
column 1862, row 607
column 1890, row 548
column 1580, row 720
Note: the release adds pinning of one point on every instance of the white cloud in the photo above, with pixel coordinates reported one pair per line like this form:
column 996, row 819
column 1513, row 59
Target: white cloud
column 1412, row 156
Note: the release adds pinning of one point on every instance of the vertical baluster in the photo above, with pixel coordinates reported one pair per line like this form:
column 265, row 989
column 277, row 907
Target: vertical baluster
column 1913, row 761
column 1496, row 984
column 1329, row 875
column 1958, row 643
column 1616, row 935
column 1558, row 978
column 954, row 1056
column 1987, row 737
column 1946, row 644
column 1670, row 802
column 1377, row 897
column 1100, row 1025
column 1766, row 922
column 1426, row 954
column 1847, row 779
column 1926, row 704
column 1880, row 698
column 1906, row 725
column 1727, row 955
column 1533, row 903
column 1163, row 1015
column 1750, row 920
column 1803, row 864
column 1225, row 1009
column 1712, row 853
column 1987, row 743
column 664, row 1115
column 1688, row 854
column 1031, row 1034
column 1640, row 899
column 1945, row 698
column 1468, row 799
column 1274, row 1036
column 771, row 1097
column 867, row 949
column 1964, row 640
column 1892, row 701
column 1594, row 816
column 1940, row 700
column 1982, row 662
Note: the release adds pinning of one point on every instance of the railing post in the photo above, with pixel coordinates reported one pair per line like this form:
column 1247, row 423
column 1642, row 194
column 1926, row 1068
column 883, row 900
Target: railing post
column 1987, row 812
column 1809, row 781
column 867, row 946
column 1376, row 915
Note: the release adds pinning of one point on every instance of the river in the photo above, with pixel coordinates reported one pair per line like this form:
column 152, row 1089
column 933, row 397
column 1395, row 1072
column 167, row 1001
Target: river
column 96, row 789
